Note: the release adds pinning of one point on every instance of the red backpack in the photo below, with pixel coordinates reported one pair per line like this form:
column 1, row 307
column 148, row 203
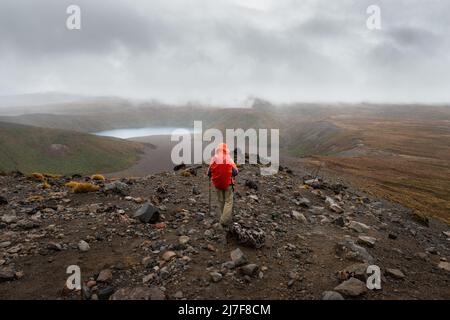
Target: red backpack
column 221, row 168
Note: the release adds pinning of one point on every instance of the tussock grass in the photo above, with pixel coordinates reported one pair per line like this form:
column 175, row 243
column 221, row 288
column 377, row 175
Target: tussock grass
column 71, row 184
column 98, row 177
column 36, row 198
column 82, row 187
column 36, row 176
column 186, row 174
column 51, row 176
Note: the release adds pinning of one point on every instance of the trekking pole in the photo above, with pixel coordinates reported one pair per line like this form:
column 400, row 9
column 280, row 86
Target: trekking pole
column 210, row 196
column 232, row 208
column 318, row 170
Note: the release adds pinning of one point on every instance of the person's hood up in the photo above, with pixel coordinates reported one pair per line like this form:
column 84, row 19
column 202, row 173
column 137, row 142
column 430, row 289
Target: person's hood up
column 222, row 148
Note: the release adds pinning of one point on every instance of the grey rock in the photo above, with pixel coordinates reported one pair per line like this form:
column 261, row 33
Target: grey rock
column 357, row 270
column 199, row 216
column 139, row 293
column 422, row 255
column 250, row 269
column 315, row 183
column 332, row 295
column 368, row 241
column 340, row 221
column 358, row 226
column 238, row 257
column 105, row 276
column 147, row 213
column 304, row 202
column 148, row 262
column 392, row 236
column 5, row 244
column 25, row 224
column 333, row 206
column 195, row 190
column 164, row 273
column 7, row 274
column 215, row 277
column 86, row 293
column 54, row 246
column 228, row 265
column 251, row 184
column 83, row 246
column 9, row 218
column 117, row 187
column 183, row 240
column 316, row 210
column 105, row 293
column 351, row 288
column 395, row 273
column 444, row 266
column 352, row 251
column 299, row 216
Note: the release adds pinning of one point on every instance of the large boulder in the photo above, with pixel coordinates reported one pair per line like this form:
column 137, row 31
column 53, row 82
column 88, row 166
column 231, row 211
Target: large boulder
column 351, row 288
column 147, row 213
column 117, row 187
column 248, row 235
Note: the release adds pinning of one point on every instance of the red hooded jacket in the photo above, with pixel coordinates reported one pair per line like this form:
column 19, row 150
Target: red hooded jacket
column 222, row 168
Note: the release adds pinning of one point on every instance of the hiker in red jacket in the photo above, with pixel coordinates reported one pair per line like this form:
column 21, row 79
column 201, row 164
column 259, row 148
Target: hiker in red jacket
column 222, row 171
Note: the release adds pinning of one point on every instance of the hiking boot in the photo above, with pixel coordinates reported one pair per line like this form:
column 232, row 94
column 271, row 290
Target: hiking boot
column 229, row 237
column 225, row 228
column 225, row 238
column 222, row 239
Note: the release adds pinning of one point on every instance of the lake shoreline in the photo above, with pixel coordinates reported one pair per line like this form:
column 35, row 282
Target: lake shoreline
column 133, row 133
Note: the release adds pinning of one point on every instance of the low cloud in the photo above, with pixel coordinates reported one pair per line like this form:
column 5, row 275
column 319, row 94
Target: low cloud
column 221, row 51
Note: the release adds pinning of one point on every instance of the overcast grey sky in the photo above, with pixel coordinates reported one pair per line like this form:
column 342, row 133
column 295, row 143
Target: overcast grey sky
column 223, row 51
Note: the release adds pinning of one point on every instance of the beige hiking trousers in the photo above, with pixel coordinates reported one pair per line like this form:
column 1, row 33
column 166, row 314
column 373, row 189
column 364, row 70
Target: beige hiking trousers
column 225, row 199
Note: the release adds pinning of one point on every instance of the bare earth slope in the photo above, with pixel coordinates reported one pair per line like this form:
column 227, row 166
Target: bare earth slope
column 307, row 243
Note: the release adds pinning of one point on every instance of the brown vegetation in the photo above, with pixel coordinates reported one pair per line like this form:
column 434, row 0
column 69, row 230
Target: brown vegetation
column 82, row 187
column 407, row 161
column 98, row 177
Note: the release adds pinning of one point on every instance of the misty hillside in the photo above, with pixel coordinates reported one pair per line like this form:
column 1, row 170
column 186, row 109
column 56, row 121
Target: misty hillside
column 29, row 149
column 397, row 151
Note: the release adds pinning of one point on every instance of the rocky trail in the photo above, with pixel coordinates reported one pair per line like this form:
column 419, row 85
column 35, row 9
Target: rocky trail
column 320, row 236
